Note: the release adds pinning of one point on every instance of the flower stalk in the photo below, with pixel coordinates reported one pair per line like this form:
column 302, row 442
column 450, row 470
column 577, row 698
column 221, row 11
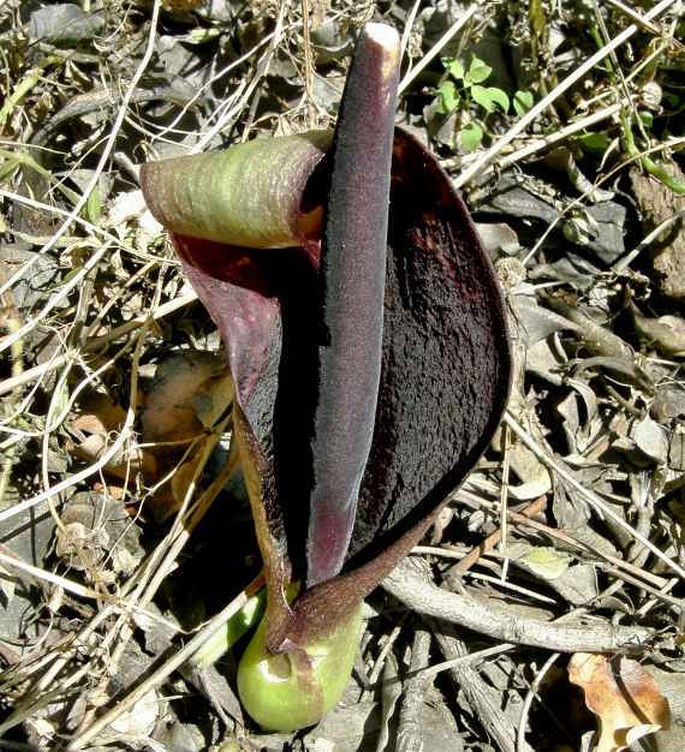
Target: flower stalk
column 366, row 336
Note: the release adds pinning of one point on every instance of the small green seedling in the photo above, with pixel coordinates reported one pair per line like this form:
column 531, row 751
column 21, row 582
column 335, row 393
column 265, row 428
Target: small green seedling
column 463, row 90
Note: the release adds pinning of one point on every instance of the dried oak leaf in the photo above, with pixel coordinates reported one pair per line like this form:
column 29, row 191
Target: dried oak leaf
column 624, row 697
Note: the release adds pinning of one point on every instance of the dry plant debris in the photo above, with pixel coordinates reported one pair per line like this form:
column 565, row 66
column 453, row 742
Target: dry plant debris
column 125, row 537
column 624, row 696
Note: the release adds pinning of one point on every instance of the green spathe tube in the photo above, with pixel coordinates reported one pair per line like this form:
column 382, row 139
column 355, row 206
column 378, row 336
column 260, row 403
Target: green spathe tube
column 289, row 691
column 249, row 195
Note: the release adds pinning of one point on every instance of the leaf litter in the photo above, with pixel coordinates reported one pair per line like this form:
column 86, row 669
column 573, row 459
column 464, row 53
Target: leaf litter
column 123, row 515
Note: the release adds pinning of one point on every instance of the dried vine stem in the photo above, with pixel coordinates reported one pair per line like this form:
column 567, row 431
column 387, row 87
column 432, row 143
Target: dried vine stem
column 411, row 584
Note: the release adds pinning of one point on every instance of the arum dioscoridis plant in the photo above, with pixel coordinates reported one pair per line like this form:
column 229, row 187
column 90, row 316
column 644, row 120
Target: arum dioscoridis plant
column 366, row 337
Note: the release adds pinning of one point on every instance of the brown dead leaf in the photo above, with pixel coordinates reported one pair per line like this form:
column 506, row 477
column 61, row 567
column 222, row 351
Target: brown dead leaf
column 190, row 391
column 89, row 424
column 92, row 440
column 624, row 697
column 101, row 408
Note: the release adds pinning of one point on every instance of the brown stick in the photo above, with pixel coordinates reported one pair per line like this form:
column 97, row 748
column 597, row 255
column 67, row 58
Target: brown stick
column 410, row 584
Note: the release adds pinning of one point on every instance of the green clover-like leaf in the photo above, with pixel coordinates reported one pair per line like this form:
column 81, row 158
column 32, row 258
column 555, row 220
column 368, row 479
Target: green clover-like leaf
column 523, row 101
column 479, row 71
column 449, row 97
column 455, row 68
column 489, row 98
column 471, row 136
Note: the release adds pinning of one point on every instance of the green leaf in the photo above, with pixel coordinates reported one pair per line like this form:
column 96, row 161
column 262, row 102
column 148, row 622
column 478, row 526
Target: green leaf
column 537, row 17
column 449, row 97
column 454, row 67
column 94, row 207
column 547, row 562
column 479, row 71
column 471, row 136
column 523, row 101
column 490, row 97
column 647, row 118
column 201, row 36
column 593, row 141
column 661, row 173
column 671, row 100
